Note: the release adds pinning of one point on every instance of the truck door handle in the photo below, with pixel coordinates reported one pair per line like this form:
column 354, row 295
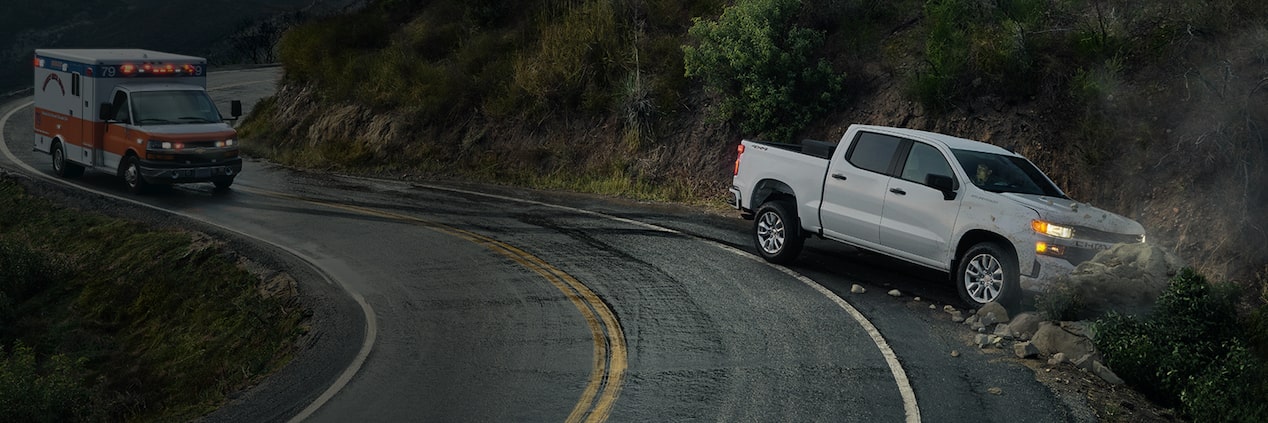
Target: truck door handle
column 898, row 191
column 838, row 176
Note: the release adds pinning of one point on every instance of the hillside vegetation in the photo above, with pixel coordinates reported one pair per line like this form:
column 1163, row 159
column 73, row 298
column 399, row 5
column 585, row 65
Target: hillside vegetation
column 1154, row 109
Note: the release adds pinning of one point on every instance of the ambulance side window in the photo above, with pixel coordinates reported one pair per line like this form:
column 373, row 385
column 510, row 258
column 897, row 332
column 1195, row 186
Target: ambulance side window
column 121, row 112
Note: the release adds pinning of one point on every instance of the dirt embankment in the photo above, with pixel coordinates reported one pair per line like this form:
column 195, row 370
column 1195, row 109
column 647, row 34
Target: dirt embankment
column 1178, row 147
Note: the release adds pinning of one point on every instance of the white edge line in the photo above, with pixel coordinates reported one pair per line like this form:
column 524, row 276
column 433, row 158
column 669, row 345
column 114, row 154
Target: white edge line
column 371, row 325
column 910, row 407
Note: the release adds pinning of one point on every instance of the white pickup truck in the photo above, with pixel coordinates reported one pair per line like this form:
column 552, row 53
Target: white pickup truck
column 986, row 216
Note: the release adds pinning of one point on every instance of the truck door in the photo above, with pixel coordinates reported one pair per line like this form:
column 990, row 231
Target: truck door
column 918, row 220
column 854, row 190
column 118, row 132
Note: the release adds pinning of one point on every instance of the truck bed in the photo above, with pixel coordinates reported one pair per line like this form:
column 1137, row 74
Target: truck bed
column 801, row 167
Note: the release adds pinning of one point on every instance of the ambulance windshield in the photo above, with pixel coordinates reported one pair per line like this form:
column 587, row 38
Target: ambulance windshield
column 173, row 107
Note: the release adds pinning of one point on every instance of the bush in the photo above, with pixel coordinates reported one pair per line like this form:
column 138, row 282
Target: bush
column 51, row 391
column 761, row 62
column 1189, row 353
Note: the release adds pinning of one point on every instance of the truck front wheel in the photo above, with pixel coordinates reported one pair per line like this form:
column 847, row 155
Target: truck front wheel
column 988, row 273
column 777, row 233
column 62, row 167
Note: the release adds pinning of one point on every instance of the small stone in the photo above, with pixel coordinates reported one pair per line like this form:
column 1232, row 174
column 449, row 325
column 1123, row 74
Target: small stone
column 1056, row 359
column 983, row 340
column 1085, row 362
column 895, row 293
column 857, row 289
column 989, row 318
column 948, row 308
column 994, row 390
column 996, row 340
column 917, row 299
column 1025, row 350
column 957, row 319
column 955, row 353
column 1105, row 373
column 933, row 307
column 971, row 320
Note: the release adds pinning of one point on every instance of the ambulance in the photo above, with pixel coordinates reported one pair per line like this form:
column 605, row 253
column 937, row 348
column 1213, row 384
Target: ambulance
column 142, row 115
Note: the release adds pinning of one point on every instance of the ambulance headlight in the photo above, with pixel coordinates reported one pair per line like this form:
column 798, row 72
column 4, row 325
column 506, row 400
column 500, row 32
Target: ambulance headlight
column 164, row 145
column 227, row 143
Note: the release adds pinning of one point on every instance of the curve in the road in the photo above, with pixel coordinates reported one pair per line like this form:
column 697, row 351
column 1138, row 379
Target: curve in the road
column 610, row 354
column 605, row 382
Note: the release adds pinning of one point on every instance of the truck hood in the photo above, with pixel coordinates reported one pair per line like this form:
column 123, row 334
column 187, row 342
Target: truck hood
column 1063, row 211
column 211, row 130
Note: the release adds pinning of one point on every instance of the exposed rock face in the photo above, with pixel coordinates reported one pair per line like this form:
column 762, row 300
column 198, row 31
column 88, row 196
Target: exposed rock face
column 1126, row 278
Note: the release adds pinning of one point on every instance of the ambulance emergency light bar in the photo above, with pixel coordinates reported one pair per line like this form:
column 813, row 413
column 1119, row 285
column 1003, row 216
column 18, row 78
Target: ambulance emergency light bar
column 133, row 69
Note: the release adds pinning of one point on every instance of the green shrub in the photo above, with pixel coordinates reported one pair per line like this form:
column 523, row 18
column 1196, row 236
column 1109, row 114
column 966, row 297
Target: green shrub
column 1190, row 352
column 53, row 390
column 762, row 64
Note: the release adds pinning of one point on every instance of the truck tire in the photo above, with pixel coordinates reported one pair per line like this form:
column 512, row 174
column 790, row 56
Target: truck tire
column 777, row 232
column 62, row 167
column 223, row 183
column 988, row 273
column 131, row 173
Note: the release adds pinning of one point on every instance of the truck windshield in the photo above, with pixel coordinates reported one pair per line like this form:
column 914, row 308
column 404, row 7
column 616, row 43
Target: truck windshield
column 173, row 107
column 1000, row 173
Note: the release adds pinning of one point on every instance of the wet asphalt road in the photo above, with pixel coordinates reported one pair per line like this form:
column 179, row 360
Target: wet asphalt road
column 474, row 317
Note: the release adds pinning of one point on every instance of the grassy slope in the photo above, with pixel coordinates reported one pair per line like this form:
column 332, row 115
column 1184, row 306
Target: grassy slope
column 162, row 324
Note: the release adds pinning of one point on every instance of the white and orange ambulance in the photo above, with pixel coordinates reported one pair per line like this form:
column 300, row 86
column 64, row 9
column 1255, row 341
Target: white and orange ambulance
column 143, row 115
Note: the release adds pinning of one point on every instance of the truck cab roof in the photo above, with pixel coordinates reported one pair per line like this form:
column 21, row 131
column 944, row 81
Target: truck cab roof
column 954, row 143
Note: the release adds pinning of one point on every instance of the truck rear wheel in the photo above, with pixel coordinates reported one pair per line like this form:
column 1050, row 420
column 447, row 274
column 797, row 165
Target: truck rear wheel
column 988, row 273
column 777, row 232
column 62, row 167
column 131, row 174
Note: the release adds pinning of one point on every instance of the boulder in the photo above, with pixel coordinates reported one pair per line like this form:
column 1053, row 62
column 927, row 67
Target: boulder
column 1052, row 339
column 1126, row 278
column 1024, row 325
column 1056, row 359
column 895, row 293
column 1001, row 315
column 1002, row 331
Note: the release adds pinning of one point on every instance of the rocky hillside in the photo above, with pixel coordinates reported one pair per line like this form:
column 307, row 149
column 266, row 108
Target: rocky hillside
column 1153, row 109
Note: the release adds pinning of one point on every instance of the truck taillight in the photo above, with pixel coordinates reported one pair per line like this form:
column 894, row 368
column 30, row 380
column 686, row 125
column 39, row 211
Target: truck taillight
column 739, row 152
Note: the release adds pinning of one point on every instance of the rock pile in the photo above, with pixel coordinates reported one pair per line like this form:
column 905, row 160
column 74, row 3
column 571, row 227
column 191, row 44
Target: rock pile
column 1126, row 278
column 1030, row 337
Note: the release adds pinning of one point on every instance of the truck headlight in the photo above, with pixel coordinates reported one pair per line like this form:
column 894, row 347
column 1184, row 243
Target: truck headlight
column 1051, row 229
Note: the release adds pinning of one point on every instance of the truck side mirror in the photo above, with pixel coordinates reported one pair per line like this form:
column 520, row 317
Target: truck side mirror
column 235, row 108
column 942, row 183
column 106, row 112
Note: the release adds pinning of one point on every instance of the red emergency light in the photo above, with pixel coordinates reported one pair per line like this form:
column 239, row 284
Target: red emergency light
column 128, row 69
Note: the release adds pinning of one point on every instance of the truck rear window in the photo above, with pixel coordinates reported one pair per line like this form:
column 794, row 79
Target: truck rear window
column 874, row 152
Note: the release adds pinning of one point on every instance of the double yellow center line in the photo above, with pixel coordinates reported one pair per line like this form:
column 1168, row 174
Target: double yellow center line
column 610, row 355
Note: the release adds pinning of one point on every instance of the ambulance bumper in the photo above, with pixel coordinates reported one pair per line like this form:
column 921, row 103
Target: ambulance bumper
column 173, row 173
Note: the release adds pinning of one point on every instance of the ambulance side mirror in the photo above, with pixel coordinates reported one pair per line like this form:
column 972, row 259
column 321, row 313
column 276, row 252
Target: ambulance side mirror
column 106, row 112
column 235, row 109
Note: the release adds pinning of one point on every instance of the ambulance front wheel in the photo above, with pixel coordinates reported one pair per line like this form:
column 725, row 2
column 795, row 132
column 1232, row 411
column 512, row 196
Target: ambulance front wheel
column 131, row 174
column 62, row 167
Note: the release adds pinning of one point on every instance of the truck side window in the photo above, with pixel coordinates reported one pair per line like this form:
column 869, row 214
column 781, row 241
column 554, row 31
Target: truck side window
column 874, row 152
column 120, row 105
column 922, row 161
